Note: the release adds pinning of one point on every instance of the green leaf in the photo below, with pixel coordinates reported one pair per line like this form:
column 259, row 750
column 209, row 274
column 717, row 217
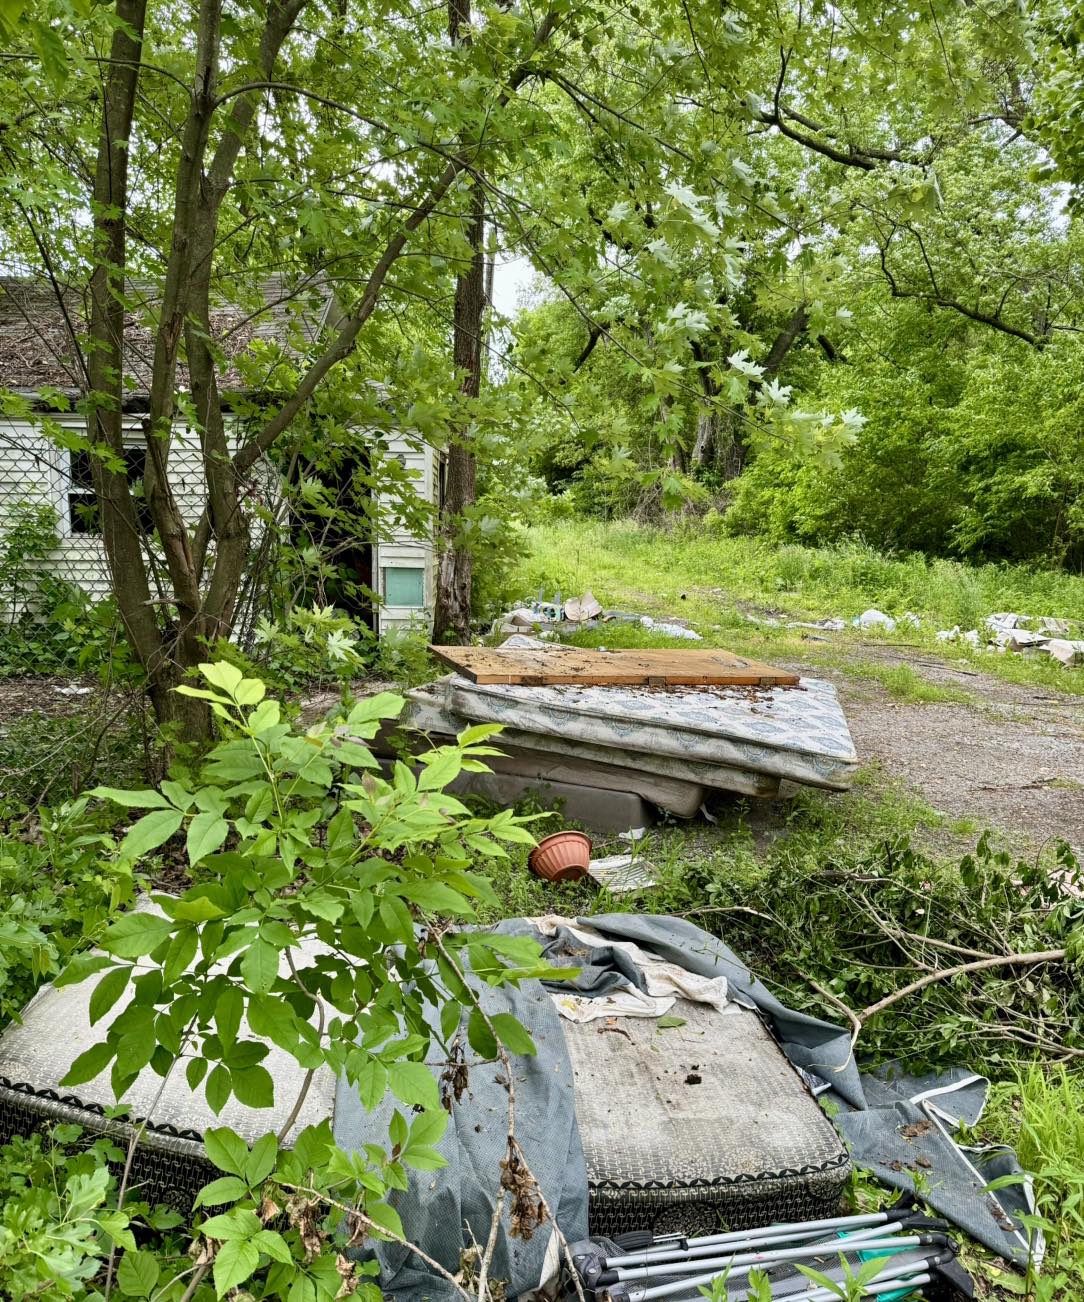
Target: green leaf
column 226, row 1189
column 235, row 1262
column 226, row 677
column 181, row 952
column 132, row 799
column 206, row 832
column 106, row 993
column 136, row 934
column 218, row 1089
column 254, row 1086
column 138, row 1273
column 386, row 1217
column 150, row 832
column 227, row 1015
column 273, row 1244
column 372, row 1083
column 261, row 1161
column 226, row 1150
column 664, row 1023
column 250, row 691
column 92, row 1062
column 480, row 1037
column 260, row 967
column 413, row 1083
column 512, row 1034
column 82, row 966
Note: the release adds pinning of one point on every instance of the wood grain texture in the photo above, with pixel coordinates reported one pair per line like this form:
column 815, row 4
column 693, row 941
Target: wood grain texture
column 627, row 668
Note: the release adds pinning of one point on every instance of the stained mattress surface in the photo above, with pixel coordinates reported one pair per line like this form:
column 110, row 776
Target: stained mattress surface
column 688, row 1125
column 788, row 732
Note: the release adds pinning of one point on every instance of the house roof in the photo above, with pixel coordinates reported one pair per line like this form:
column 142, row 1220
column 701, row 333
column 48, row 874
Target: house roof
column 37, row 325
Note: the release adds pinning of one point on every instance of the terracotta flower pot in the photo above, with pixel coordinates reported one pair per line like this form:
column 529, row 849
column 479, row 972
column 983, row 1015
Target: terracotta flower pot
column 562, row 857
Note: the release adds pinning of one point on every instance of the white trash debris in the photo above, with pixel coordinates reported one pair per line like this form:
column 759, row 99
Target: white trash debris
column 1055, row 627
column 619, row 873
column 670, row 630
column 73, row 691
column 874, row 619
column 579, row 609
column 1069, row 653
column 1006, row 621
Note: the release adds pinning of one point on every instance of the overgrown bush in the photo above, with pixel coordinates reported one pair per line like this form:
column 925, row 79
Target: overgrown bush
column 59, row 884
column 60, row 1220
column 297, row 839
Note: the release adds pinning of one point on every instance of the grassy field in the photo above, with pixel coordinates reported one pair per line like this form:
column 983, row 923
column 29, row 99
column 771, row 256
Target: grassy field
column 723, row 585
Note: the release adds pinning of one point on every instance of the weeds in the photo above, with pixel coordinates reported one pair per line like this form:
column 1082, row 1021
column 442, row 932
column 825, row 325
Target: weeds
column 717, row 583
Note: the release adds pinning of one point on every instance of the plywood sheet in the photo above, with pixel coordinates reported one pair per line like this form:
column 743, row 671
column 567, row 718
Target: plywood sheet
column 629, row 668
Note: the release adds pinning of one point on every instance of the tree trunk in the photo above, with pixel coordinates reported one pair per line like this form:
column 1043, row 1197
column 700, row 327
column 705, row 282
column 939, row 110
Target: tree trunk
column 451, row 615
column 121, row 534
column 707, row 435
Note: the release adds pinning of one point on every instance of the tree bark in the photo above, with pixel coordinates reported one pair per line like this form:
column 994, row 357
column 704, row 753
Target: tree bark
column 452, row 608
column 121, row 534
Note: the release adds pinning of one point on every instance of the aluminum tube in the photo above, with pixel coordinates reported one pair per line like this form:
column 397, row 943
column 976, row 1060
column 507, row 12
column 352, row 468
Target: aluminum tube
column 690, row 1263
column 741, row 1236
column 743, row 1263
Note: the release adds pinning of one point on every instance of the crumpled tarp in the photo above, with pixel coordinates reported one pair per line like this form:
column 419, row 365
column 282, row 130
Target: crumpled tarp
column 894, row 1124
column 440, row 1209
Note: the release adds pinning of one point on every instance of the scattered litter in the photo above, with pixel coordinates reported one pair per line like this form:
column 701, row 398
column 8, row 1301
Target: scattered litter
column 827, row 625
column 621, row 874
column 669, row 629
column 73, row 691
column 581, row 608
column 874, row 619
column 1069, row 653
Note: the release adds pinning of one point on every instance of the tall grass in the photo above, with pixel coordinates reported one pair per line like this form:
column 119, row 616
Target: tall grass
column 620, row 558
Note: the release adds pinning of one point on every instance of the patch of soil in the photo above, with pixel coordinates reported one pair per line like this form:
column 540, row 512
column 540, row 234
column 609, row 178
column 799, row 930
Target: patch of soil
column 1011, row 759
column 55, row 696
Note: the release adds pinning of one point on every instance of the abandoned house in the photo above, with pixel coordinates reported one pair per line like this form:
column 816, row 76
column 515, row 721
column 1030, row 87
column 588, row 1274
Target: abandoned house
column 389, row 580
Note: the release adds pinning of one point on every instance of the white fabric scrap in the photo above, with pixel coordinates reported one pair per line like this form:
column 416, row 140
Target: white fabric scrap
column 665, row 981
column 874, row 619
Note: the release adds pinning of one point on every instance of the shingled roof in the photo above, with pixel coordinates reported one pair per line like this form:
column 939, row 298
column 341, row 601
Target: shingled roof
column 38, row 351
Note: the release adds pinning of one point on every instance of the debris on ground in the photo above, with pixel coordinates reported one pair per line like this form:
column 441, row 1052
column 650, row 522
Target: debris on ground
column 668, row 742
column 621, row 874
column 874, row 619
column 1008, row 631
column 555, row 618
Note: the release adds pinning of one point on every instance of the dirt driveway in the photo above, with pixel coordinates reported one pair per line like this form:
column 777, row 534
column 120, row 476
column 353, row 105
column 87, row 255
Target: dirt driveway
column 1011, row 759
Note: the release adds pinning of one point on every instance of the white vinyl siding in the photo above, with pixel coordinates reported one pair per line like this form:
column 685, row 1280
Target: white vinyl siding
column 405, row 550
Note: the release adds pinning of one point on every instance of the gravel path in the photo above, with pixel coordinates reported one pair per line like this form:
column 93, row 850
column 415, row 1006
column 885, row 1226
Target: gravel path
column 1013, row 759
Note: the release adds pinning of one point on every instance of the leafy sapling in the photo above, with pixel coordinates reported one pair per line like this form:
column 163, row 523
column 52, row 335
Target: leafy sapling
column 318, row 926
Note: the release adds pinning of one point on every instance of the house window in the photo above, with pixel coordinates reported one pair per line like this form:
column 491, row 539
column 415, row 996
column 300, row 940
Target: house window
column 404, row 587
column 82, row 511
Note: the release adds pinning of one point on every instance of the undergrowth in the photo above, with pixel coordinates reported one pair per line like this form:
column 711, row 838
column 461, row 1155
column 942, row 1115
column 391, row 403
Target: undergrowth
column 728, row 587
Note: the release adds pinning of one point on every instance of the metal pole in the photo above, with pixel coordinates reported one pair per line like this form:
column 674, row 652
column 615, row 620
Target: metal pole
column 742, row 1236
column 876, row 1287
column 768, row 1249
column 743, row 1263
column 752, row 1243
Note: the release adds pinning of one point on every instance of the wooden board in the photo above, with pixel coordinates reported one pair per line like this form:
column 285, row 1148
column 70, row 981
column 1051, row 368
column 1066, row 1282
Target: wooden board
column 640, row 668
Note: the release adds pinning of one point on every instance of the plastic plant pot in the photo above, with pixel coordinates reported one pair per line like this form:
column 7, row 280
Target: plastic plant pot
column 562, row 857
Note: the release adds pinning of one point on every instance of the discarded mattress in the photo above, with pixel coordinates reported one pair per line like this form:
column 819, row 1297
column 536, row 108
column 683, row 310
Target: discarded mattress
column 700, row 1125
column 667, row 782
column 169, row 1166
column 798, row 733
